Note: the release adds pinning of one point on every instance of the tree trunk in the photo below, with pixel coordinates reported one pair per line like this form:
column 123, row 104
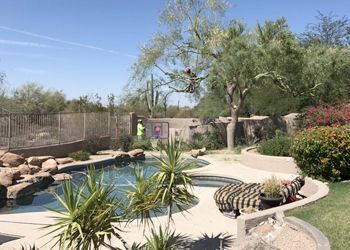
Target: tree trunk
column 232, row 129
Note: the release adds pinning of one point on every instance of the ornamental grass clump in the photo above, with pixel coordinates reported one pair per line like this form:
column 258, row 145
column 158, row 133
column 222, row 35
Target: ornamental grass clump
column 323, row 152
column 272, row 187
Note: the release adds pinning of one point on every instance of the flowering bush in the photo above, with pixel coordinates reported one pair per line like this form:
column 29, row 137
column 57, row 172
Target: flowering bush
column 323, row 152
column 326, row 116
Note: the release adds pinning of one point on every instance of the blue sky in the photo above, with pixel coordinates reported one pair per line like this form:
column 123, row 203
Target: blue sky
column 88, row 46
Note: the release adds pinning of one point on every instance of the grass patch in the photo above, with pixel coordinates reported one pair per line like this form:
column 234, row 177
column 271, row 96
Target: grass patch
column 330, row 215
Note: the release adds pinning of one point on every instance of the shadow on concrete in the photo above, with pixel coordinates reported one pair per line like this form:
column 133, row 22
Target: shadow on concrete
column 205, row 242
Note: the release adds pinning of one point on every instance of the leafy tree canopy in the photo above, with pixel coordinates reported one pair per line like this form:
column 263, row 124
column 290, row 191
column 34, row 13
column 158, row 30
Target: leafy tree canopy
column 33, row 98
column 329, row 29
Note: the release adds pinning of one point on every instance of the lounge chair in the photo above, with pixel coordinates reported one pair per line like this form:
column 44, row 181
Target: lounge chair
column 233, row 197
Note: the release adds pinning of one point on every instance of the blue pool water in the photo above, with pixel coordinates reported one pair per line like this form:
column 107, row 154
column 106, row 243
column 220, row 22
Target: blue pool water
column 121, row 176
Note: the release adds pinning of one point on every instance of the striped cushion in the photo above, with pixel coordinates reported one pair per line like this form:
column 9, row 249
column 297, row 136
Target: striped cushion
column 232, row 197
column 235, row 196
column 292, row 188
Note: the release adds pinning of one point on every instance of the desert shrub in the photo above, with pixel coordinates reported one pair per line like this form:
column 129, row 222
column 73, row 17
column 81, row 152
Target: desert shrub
column 92, row 145
column 80, row 155
column 143, row 144
column 325, row 116
column 323, row 152
column 124, row 142
column 277, row 146
column 210, row 140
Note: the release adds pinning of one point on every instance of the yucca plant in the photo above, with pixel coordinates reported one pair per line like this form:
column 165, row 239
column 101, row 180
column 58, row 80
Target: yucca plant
column 89, row 214
column 142, row 198
column 173, row 183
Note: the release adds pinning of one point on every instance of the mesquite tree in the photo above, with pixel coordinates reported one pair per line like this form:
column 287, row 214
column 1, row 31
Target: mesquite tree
column 183, row 54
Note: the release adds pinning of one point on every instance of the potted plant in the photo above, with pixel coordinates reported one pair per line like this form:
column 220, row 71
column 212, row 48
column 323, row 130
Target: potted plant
column 271, row 195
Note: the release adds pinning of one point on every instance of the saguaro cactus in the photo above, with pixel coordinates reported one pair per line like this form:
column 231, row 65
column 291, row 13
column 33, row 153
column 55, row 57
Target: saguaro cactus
column 151, row 97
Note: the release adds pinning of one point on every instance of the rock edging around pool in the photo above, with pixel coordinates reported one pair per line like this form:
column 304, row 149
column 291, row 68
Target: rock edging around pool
column 105, row 157
column 280, row 164
column 21, row 177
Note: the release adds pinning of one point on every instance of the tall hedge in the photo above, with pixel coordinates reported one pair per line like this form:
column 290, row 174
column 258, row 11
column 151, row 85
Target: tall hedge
column 323, row 152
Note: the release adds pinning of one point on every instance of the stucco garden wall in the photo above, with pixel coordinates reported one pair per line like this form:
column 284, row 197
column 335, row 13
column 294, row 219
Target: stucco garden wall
column 249, row 131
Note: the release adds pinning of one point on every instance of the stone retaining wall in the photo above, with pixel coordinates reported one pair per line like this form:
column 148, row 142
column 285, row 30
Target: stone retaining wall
column 60, row 150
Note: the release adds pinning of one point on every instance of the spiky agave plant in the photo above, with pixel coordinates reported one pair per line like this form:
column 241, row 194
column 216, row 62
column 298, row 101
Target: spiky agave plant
column 161, row 240
column 89, row 214
column 173, row 183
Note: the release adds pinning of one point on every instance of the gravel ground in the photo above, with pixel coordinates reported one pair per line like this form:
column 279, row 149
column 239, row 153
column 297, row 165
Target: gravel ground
column 272, row 235
column 292, row 238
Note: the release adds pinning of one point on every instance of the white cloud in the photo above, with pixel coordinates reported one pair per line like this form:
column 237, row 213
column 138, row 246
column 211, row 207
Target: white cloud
column 49, row 38
column 29, row 44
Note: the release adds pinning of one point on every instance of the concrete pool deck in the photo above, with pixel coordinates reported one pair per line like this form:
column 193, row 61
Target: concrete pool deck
column 203, row 222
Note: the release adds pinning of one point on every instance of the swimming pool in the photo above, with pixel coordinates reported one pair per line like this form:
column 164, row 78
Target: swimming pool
column 120, row 175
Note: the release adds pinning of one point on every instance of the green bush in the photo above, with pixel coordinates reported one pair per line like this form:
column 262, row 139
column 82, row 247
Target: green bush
column 323, row 152
column 277, row 146
column 80, row 155
column 210, row 140
column 143, row 144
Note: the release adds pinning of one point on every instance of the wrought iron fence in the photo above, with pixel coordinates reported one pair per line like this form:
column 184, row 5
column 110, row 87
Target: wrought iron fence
column 32, row 130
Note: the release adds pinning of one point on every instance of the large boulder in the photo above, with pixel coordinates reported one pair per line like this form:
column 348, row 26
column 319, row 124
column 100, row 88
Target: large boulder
column 6, row 179
column 198, row 152
column 27, row 178
column 2, row 152
column 35, row 161
column 121, row 156
column 12, row 160
column 20, row 190
column 9, row 176
column 24, row 169
column 45, row 157
column 62, row 177
column 65, row 160
column 43, row 180
column 40, row 180
column 14, row 171
column 136, row 153
column 49, row 166
column 34, row 169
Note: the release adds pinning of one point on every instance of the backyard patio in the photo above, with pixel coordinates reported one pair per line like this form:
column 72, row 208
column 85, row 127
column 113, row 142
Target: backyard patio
column 203, row 222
